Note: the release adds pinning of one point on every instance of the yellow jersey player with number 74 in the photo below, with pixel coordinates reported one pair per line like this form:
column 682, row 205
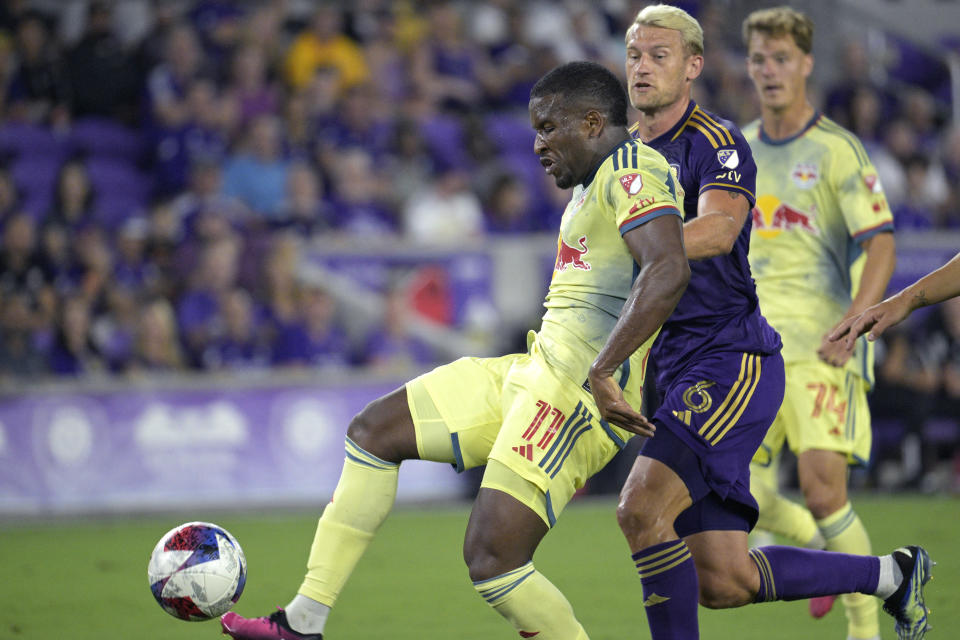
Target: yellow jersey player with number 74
column 821, row 251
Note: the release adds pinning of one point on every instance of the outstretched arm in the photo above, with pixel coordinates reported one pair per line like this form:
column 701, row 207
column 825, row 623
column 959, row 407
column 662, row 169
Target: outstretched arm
column 657, row 246
column 932, row 288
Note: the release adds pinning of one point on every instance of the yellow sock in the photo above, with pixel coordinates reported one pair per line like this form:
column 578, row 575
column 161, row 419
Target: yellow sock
column 844, row 532
column 531, row 604
column 781, row 515
column 361, row 502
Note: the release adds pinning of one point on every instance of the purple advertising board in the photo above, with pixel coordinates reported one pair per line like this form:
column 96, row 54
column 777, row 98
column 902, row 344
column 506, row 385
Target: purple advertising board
column 139, row 449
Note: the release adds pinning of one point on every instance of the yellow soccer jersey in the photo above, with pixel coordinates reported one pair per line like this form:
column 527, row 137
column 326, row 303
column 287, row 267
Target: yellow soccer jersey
column 818, row 198
column 594, row 269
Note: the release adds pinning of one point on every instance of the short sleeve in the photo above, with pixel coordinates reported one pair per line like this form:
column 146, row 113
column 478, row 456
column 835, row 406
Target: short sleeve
column 642, row 190
column 860, row 194
column 729, row 167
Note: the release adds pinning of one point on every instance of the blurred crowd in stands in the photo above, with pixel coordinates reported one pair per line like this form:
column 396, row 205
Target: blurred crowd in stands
column 157, row 192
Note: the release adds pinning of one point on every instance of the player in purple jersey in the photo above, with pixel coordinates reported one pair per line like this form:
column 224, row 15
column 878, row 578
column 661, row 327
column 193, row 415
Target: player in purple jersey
column 686, row 507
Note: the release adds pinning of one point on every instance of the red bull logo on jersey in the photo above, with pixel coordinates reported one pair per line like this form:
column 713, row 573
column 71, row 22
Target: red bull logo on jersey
column 771, row 217
column 805, row 175
column 631, row 183
column 568, row 256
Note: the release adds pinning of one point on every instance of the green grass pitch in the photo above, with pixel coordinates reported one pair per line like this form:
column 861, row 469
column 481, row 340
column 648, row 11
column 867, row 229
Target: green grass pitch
column 87, row 579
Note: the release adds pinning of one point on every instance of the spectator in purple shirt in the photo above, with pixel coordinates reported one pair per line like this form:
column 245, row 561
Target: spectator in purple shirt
column 316, row 338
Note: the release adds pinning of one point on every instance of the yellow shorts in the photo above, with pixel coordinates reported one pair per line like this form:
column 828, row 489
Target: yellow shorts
column 823, row 408
column 537, row 432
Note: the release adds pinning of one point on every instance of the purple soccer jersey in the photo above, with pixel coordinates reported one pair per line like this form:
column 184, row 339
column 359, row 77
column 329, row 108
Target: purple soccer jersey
column 719, row 310
column 719, row 372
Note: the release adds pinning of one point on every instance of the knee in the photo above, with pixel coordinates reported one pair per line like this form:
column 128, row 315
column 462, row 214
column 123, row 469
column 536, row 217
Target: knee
column 364, row 430
column 483, row 562
column 723, row 591
column 378, row 430
column 642, row 527
column 823, row 500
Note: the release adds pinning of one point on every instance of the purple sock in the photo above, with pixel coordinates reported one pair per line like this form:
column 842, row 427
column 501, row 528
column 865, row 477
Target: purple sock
column 670, row 590
column 790, row 573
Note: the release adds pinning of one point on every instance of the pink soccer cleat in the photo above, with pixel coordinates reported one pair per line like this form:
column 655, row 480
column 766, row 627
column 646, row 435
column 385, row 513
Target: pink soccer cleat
column 272, row 627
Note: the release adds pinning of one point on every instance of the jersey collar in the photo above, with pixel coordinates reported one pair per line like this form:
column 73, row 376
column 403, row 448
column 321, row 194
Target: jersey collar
column 593, row 173
column 670, row 134
column 768, row 140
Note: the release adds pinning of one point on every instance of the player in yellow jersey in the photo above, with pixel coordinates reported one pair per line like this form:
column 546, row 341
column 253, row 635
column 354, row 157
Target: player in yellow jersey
column 530, row 418
column 821, row 251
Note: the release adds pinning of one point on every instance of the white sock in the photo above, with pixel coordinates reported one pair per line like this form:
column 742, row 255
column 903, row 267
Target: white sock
column 817, row 541
column 890, row 577
column 306, row 615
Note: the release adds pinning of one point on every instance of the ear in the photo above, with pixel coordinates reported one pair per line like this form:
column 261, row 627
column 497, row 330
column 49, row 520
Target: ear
column 595, row 122
column 807, row 65
column 694, row 67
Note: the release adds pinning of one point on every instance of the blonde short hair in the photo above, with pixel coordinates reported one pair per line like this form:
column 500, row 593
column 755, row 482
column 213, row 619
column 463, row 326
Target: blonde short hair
column 668, row 17
column 778, row 22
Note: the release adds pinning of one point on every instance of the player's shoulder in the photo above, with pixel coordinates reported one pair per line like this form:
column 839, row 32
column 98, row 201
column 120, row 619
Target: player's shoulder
column 634, row 155
column 710, row 130
column 841, row 141
column 751, row 130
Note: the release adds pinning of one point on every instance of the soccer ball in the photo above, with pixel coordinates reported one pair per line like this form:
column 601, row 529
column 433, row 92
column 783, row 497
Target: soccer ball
column 197, row 571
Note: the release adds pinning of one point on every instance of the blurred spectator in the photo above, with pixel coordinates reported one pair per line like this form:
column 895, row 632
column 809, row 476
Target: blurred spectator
column 249, row 93
column 130, row 266
column 114, row 331
column 315, row 338
column 157, row 346
column 168, row 81
column 256, row 173
column 357, row 122
column 73, row 351
column 278, row 287
column 915, row 212
column 938, row 348
column 323, row 44
column 74, row 198
column 198, row 137
column 39, row 90
column 199, row 311
column 22, row 273
column 263, row 28
column 21, row 348
column 509, row 207
column 219, row 25
column 240, row 344
column 447, row 68
column 391, row 346
column 304, row 211
column 94, row 264
column 102, row 74
column 920, row 111
column 9, row 197
column 409, row 162
column 56, row 255
column 866, row 114
column 381, row 45
column 447, row 212
column 359, row 198
column 204, row 203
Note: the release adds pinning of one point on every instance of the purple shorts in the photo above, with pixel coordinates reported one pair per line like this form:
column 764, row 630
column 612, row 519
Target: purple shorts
column 710, row 422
